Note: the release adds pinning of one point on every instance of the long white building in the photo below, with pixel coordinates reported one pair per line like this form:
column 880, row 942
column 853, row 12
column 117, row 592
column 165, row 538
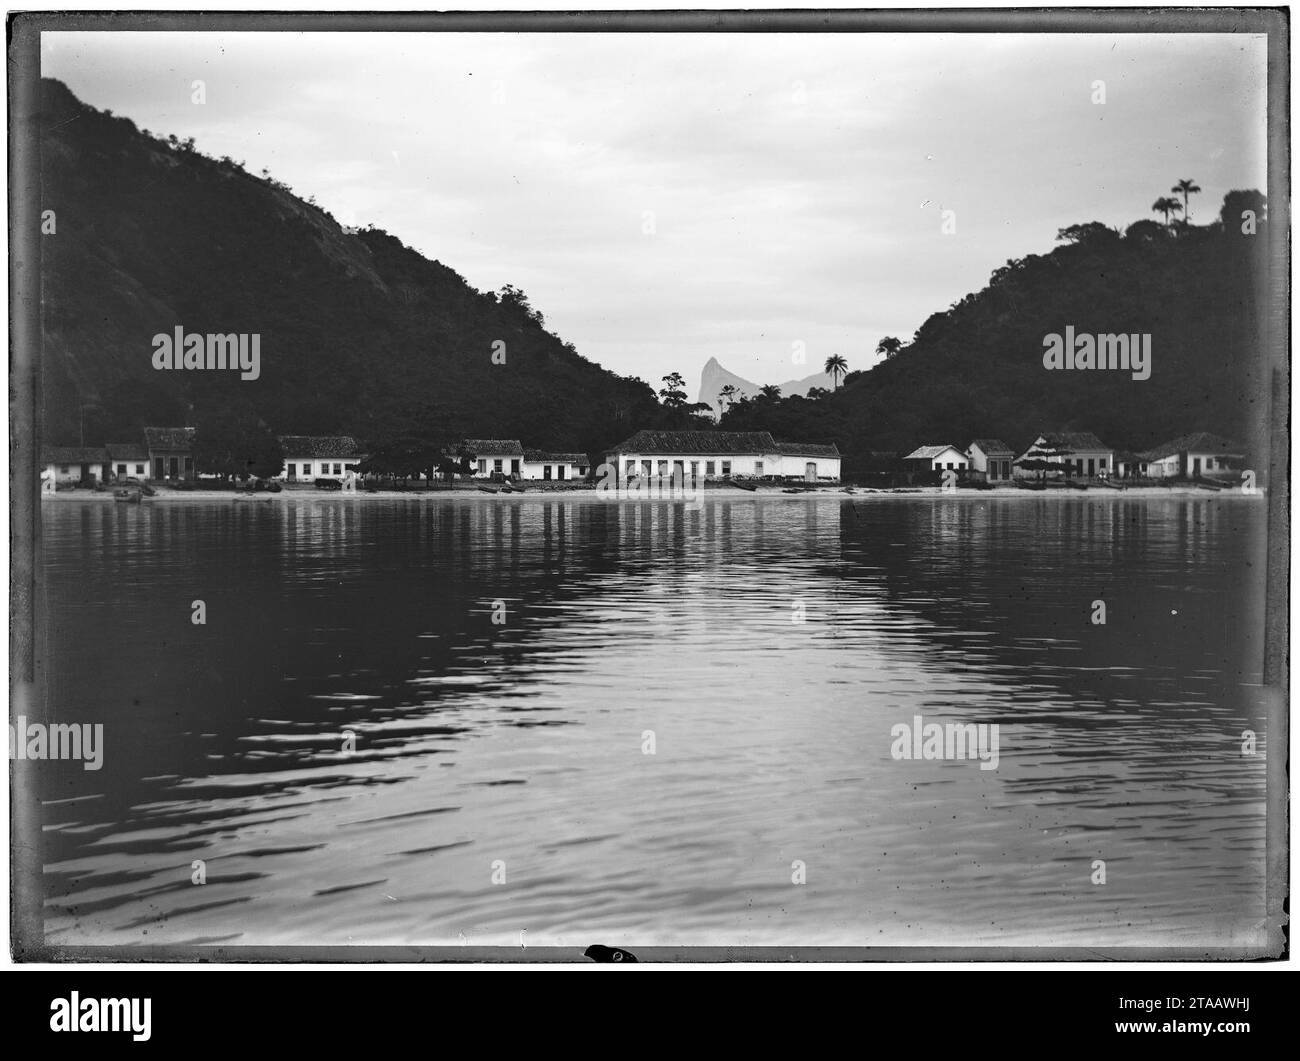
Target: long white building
column 706, row 455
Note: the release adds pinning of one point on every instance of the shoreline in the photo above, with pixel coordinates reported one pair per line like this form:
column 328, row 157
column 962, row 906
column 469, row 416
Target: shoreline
column 722, row 493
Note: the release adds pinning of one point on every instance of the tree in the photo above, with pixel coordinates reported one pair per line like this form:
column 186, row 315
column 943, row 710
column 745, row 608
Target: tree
column 1145, row 230
column 770, row 392
column 674, row 393
column 405, row 456
column 1087, row 232
column 234, row 442
column 1236, row 203
column 1187, row 188
column 835, row 367
column 727, row 394
column 889, row 346
column 1165, row 205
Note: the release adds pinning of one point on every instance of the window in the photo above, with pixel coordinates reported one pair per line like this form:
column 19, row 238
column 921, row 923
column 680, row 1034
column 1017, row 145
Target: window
column 189, row 464
column 63, row 469
column 726, row 467
column 496, row 465
column 121, row 469
column 758, row 467
column 708, row 467
column 306, row 470
column 139, row 469
column 1102, row 463
column 338, row 469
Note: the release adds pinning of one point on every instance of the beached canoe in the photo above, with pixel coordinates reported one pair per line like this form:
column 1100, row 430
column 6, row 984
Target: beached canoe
column 129, row 497
column 488, row 490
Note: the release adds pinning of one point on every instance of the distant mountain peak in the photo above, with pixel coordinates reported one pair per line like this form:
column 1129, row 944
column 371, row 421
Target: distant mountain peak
column 714, row 377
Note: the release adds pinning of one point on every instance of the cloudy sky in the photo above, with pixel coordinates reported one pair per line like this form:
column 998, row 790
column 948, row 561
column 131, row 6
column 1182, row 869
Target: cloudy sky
column 667, row 198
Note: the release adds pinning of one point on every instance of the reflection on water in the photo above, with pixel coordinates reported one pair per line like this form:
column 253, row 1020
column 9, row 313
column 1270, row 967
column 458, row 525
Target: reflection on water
column 429, row 721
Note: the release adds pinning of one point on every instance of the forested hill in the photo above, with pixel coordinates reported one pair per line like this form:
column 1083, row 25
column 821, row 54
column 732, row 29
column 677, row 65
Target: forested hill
column 976, row 369
column 360, row 335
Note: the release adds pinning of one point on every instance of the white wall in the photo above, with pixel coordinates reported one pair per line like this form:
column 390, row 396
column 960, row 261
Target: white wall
column 317, row 463
column 489, row 466
column 73, row 474
column 537, row 470
column 731, row 464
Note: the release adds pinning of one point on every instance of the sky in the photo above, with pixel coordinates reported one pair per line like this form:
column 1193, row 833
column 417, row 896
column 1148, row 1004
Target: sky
column 664, row 199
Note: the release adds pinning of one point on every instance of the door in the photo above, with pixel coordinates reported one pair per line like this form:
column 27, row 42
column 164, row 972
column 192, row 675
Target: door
column 173, row 467
column 1092, row 465
column 1196, row 467
column 810, row 472
column 157, row 467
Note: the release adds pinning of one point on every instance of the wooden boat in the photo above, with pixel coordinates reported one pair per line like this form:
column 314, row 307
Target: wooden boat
column 512, row 488
column 487, row 490
column 743, row 486
column 130, row 497
column 1209, row 484
column 791, row 490
column 1110, row 485
column 1074, row 484
column 1029, row 484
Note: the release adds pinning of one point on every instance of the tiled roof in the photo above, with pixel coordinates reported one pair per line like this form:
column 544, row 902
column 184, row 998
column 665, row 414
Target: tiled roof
column 807, row 449
column 73, row 455
column 318, row 445
column 180, row 438
column 928, row 452
column 992, row 447
column 1074, row 441
column 1197, row 442
column 701, row 442
column 537, row 456
column 127, row 451
column 494, row 447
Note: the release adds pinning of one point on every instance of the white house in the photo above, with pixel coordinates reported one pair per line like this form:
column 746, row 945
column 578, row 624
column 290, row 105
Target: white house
column 75, row 464
column 128, row 460
column 538, row 464
column 942, row 457
column 310, row 457
column 1193, row 456
column 1069, row 452
column 991, row 459
column 704, row 455
column 495, row 455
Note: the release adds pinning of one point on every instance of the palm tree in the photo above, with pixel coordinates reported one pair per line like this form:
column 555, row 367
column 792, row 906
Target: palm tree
column 1165, row 205
column 889, row 346
column 770, row 391
column 726, row 397
column 1186, row 187
column 836, row 366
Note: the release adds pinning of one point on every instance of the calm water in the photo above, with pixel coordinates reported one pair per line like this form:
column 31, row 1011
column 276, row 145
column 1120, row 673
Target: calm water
column 519, row 748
